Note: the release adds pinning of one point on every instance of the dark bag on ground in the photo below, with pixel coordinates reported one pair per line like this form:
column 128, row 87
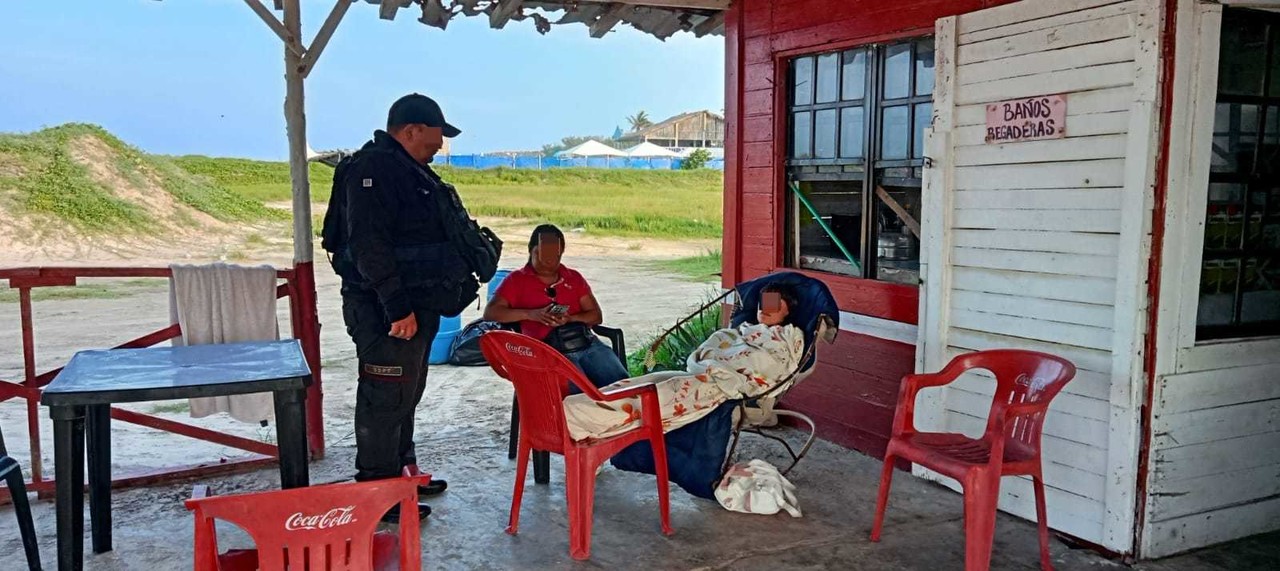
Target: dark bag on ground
column 465, row 351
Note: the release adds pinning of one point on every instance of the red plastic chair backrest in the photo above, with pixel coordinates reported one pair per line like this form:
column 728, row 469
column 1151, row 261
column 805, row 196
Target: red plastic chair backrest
column 541, row 376
column 317, row 528
column 1022, row 378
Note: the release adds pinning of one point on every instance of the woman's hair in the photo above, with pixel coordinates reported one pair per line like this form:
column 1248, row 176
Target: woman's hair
column 544, row 229
column 788, row 295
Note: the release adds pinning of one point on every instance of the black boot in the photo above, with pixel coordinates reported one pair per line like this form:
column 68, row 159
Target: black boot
column 434, row 488
column 393, row 516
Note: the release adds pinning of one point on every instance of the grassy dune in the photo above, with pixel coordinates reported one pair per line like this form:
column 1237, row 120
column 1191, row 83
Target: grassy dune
column 659, row 204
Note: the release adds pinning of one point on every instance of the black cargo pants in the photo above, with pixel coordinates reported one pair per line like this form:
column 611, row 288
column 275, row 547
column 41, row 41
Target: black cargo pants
column 392, row 377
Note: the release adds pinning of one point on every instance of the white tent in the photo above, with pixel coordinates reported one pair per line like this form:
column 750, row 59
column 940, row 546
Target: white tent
column 647, row 149
column 591, row 148
column 715, row 152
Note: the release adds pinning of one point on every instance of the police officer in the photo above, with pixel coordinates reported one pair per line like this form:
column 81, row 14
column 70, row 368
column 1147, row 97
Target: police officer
column 393, row 231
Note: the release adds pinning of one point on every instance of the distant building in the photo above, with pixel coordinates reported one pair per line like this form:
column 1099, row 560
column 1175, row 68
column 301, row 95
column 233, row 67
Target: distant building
column 695, row 129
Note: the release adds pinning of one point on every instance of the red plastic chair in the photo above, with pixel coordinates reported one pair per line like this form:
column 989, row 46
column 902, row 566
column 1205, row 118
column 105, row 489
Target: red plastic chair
column 1026, row 382
column 541, row 377
column 320, row 528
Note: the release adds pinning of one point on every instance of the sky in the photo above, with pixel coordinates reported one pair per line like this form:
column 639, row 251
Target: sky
column 207, row 76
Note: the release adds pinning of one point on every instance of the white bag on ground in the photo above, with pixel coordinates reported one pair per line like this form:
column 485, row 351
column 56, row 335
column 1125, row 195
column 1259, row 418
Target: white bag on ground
column 757, row 487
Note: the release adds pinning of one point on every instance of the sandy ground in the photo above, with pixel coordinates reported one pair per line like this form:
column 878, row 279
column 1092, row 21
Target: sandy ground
column 613, row 266
column 462, row 427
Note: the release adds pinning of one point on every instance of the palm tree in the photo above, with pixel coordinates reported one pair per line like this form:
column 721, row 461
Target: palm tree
column 639, row 121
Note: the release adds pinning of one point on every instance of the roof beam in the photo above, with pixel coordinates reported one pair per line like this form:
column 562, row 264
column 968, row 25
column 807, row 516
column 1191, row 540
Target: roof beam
column 709, row 25
column 683, row 4
column 609, row 19
column 293, row 44
column 435, row 14
column 503, row 13
column 387, row 11
column 667, row 27
column 322, row 37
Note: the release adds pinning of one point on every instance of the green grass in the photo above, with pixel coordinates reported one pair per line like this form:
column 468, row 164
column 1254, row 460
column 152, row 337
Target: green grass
column 658, row 204
column 674, row 351
column 695, row 268
column 115, row 290
column 655, row 204
column 259, row 181
column 54, row 183
column 618, row 202
column 171, row 408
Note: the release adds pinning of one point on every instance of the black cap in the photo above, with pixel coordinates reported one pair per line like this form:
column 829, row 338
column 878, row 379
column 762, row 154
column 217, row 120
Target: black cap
column 417, row 109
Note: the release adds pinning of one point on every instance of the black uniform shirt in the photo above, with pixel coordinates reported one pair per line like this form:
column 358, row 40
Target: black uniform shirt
column 389, row 206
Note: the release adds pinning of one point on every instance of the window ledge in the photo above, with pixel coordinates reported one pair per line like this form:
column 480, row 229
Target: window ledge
column 1229, row 353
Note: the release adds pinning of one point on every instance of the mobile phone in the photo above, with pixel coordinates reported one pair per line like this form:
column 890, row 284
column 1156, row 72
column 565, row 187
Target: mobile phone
column 558, row 309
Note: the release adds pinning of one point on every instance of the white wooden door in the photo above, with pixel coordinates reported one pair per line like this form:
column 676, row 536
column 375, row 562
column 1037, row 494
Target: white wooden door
column 1044, row 244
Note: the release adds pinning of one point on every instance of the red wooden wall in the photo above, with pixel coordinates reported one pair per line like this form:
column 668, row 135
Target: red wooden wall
column 853, row 393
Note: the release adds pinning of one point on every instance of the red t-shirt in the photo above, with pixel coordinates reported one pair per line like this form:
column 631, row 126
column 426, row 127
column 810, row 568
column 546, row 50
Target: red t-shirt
column 523, row 289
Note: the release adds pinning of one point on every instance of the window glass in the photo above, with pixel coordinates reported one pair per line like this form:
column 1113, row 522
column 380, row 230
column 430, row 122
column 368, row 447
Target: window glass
column 802, row 81
column 1240, row 263
column 1235, row 136
column 828, row 78
column 854, row 80
column 897, row 71
column 802, row 135
column 924, row 68
column 839, row 206
column 857, row 119
column 1242, row 58
column 852, row 132
column 895, row 132
column 824, row 134
column 898, row 234
column 924, row 115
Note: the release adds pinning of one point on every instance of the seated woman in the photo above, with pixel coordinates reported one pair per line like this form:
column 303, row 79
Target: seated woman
column 554, row 303
column 733, row 363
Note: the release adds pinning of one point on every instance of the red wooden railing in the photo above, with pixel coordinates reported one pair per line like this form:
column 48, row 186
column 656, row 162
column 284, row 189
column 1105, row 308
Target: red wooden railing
column 298, row 286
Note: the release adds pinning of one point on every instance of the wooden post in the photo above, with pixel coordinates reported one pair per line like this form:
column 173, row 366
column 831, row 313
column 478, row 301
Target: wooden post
column 308, row 330
column 29, row 378
column 296, row 126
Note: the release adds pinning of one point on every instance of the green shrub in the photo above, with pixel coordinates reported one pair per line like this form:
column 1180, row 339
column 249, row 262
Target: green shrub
column 674, row 351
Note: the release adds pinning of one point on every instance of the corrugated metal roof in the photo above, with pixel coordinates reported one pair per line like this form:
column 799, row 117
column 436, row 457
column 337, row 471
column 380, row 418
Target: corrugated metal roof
column 659, row 18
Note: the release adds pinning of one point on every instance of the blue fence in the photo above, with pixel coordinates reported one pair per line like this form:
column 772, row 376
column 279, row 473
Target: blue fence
column 500, row 161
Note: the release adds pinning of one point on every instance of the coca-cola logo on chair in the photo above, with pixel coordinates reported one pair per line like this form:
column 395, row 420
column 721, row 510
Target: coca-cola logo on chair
column 333, row 518
column 520, row 350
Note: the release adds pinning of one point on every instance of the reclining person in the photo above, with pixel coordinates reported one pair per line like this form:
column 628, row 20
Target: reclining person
column 733, row 363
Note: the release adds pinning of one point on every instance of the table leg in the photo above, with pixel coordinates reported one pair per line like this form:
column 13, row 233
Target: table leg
column 291, row 437
column 68, row 462
column 98, row 433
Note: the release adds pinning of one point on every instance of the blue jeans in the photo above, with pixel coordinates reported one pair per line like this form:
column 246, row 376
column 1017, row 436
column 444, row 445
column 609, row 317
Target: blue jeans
column 599, row 364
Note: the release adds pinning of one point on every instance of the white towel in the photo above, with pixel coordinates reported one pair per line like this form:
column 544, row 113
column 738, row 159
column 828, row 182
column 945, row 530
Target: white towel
column 222, row 303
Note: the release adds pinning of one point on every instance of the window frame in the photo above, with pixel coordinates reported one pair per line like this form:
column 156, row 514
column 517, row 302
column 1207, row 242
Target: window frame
column 1251, row 181
column 1174, row 346
column 838, row 169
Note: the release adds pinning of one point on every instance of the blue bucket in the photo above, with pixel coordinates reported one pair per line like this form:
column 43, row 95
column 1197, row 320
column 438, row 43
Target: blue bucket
column 497, row 281
column 449, row 329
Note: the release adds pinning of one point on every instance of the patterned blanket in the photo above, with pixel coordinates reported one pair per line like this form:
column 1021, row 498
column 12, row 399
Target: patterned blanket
column 732, row 364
